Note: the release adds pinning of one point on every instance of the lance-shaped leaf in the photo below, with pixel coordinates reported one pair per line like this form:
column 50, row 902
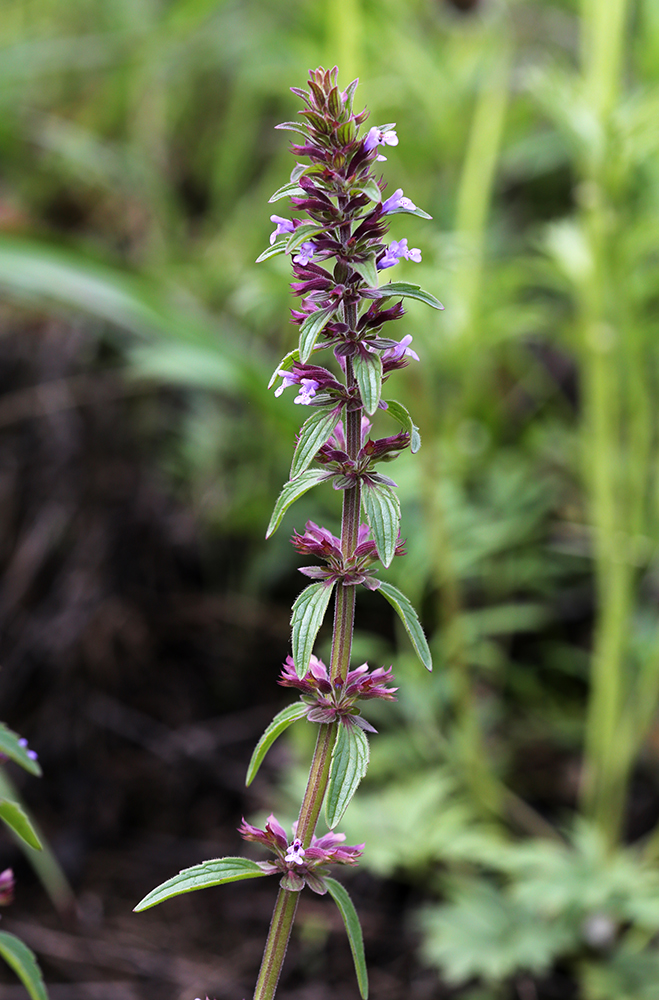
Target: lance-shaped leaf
column 408, row 211
column 23, row 961
column 308, row 613
column 353, row 929
column 18, row 821
column 310, row 330
column 305, row 231
column 294, row 127
column 314, row 432
column 286, row 191
column 401, row 414
column 12, row 747
column 410, row 620
column 382, row 508
column 368, row 372
column 370, row 189
column 279, row 725
column 367, row 270
column 403, row 289
column 349, row 764
column 293, row 489
column 284, row 365
column 208, row 873
column 272, row 251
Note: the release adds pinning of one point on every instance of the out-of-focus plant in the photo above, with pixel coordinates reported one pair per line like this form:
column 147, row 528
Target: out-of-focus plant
column 346, row 309
column 14, row 952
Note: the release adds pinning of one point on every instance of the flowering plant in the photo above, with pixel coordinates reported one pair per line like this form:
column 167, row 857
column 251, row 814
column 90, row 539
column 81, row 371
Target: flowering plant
column 344, row 308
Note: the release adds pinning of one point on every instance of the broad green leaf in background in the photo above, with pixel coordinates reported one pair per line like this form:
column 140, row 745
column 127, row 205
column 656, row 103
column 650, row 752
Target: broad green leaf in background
column 314, row 432
column 293, row 489
column 279, row 725
column 401, row 414
column 368, row 372
column 349, row 765
column 12, row 814
column 11, row 747
column 214, row 872
column 382, row 508
column 308, row 613
column 353, row 930
column 410, row 621
column 19, row 957
column 406, row 290
column 311, row 329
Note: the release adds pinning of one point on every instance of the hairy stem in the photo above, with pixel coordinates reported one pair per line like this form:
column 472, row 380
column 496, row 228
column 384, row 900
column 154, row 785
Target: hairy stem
column 277, row 944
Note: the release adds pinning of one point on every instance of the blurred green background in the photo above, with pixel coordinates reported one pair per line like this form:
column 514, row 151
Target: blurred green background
column 517, row 789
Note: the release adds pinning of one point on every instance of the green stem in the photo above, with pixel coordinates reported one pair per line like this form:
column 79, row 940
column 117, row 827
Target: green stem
column 277, row 944
column 344, row 613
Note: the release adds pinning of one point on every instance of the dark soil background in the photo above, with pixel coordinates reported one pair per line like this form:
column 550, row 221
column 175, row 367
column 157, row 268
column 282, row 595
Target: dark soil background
column 144, row 694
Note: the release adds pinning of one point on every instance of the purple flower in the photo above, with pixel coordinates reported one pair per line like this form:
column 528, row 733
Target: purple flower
column 330, row 700
column 305, row 254
column 281, row 226
column 300, row 866
column 310, row 378
column 380, row 137
column 32, row 754
column 394, row 252
column 401, row 350
column 350, row 571
column 398, row 200
column 6, row 887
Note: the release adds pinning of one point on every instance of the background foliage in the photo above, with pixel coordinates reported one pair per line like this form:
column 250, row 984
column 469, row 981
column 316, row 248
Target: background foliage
column 137, row 153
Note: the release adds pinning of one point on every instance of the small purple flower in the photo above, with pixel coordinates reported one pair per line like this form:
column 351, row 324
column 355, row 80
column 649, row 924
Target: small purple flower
column 379, row 137
column 398, row 200
column 395, row 251
column 6, row 887
column 401, row 350
column 32, row 754
column 334, row 700
column 305, row 254
column 297, row 865
column 281, row 226
column 308, row 388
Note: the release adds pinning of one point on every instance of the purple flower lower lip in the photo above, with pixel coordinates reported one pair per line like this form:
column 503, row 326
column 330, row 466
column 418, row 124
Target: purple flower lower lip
column 396, row 250
column 282, row 226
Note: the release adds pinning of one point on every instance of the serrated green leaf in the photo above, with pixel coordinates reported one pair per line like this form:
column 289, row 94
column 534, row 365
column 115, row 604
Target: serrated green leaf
column 370, row 189
column 11, row 747
column 353, row 929
column 285, row 365
column 382, row 509
column 203, row 876
column 279, row 725
column 308, row 613
column 367, row 270
column 310, row 330
column 18, row 821
column 286, row 191
column 306, row 231
column 24, row 963
column 292, row 490
column 314, row 432
column 272, row 251
column 349, row 765
column 368, row 372
column 409, row 211
column 404, row 289
column 401, row 414
column 410, row 621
